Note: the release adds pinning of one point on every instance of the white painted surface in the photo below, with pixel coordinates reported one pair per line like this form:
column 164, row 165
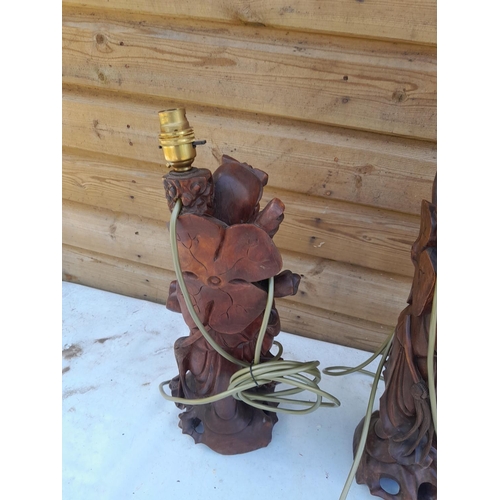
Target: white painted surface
column 121, row 439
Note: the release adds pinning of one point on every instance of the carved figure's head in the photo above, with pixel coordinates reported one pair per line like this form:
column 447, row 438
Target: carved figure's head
column 238, row 190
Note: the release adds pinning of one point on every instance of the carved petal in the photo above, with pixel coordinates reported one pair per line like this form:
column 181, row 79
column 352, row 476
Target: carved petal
column 236, row 306
column 197, row 254
column 239, row 252
column 226, row 309
column 248, row 253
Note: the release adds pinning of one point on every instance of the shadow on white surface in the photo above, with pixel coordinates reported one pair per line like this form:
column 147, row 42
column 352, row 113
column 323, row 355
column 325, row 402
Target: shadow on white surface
column 121, row 438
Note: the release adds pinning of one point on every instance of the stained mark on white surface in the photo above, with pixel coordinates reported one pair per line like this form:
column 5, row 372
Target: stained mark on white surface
column 113, row 337
column 152, row 332
column 161, row 349
column 105, row 339
column 73, row 351
column 82, row 390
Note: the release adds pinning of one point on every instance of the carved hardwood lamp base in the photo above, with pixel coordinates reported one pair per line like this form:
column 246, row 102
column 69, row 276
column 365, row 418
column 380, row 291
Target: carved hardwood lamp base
column 248, row 429
column 388, row 479
column 227, row 256
column 399, row 461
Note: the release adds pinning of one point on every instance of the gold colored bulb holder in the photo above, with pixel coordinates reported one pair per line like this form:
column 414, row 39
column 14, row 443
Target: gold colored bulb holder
column 177, row 139
column 193, row 186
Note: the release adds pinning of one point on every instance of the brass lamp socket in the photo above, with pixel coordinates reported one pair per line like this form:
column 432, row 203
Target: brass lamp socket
column 176, row 139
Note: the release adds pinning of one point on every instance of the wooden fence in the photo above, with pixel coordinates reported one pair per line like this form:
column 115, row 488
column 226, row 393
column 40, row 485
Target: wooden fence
column 335, row 100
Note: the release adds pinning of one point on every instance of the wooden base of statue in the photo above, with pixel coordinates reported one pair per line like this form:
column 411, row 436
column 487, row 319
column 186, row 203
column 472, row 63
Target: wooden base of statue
column 400, row 456
column 227, row 255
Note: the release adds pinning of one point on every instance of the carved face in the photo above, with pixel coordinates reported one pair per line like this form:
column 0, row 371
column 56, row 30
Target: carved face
column 194, row 190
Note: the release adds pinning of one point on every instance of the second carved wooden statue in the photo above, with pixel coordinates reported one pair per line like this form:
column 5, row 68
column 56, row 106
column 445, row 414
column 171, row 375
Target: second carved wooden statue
column 227, row 255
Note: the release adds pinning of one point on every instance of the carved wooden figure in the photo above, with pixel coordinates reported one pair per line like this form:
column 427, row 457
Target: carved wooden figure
column 402, row 445
column 227, row 255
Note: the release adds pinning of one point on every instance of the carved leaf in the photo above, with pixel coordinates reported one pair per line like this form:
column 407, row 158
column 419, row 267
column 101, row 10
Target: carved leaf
column 220, row 269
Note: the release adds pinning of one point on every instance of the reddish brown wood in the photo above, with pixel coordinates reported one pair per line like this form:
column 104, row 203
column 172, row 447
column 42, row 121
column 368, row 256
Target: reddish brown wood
column 227, row 255
column 402, row 443
column 195, row 188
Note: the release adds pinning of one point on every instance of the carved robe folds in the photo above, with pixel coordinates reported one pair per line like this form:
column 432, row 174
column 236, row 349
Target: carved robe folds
column 402, row 443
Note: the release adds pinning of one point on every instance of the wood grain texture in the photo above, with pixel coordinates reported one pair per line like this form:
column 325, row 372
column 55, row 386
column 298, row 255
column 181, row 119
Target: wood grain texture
column 364, row 236
column 344, row 232
column 137, row 280
column 124, row 186
column 407, row 20
column 344, row 288
column 377, row 86
column 129, row 237
column 332, row 163
column 351, row 290
column 329, row 326
column 106, row 272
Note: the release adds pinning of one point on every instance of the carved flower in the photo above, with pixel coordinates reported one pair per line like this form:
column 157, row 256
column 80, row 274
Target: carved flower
column 220, row 269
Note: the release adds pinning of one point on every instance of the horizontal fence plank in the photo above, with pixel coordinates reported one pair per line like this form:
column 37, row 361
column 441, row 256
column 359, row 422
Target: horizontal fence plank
column 145, row 282
column 116, row 275
column 130, row 237
column 368, row 85
column 409, row 20
column 363, row 168
column 330, row 326
column 347, row 289
column 345, row 232
column 114, row 183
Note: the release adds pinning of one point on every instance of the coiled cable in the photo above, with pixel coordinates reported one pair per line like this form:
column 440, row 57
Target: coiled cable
column 300, row 376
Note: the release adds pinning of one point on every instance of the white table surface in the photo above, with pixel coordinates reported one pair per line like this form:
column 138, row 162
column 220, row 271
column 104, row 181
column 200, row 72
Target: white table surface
column 121, row 438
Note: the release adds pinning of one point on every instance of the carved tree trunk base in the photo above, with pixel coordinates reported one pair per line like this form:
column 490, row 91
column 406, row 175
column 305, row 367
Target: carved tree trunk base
column 248, row 430
column 415, row 482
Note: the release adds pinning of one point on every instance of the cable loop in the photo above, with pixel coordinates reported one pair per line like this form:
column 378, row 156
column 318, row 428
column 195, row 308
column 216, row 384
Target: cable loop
column 243, row 383
column 253, row 378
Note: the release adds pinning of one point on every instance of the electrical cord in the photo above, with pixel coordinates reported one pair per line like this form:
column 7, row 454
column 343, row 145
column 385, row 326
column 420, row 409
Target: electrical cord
column 336, row 371
column 366, row 423
column 430, row 359
column 292, row 373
